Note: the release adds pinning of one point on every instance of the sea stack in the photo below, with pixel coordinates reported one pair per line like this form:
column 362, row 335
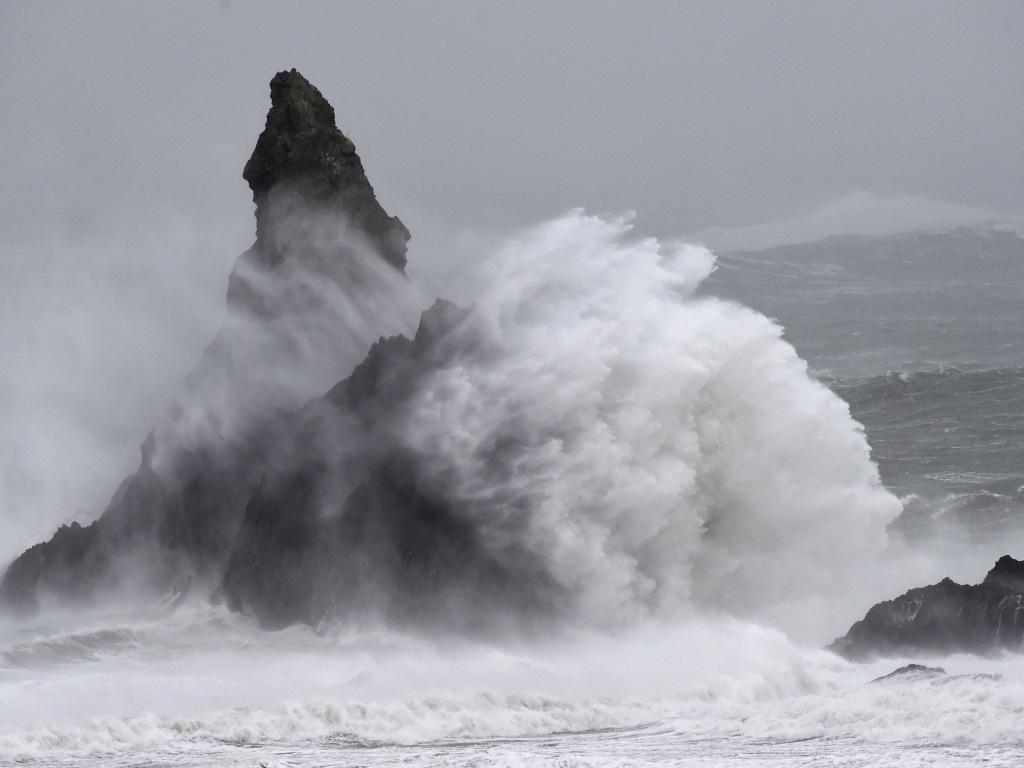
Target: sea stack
column 311, row 510
column 176, row 520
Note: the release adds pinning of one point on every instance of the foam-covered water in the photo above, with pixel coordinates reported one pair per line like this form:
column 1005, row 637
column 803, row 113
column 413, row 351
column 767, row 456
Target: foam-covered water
column 710, row 504
column 203, row 687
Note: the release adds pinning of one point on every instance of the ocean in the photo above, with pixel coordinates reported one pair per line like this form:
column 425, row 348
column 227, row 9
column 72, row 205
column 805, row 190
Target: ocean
column 704, row 489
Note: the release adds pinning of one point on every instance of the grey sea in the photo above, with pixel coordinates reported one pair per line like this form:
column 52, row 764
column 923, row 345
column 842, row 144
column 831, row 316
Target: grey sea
column 919, row 334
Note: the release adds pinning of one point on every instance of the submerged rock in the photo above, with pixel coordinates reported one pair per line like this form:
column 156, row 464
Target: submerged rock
column 912, row 671
column 945, row 618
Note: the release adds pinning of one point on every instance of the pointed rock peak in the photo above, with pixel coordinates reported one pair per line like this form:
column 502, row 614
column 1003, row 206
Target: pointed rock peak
column 304, row 105
column 302, row 150
column 299, row 123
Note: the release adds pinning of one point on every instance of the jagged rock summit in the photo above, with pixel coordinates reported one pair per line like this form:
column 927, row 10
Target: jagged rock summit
column 301, row 156
column 945, row 618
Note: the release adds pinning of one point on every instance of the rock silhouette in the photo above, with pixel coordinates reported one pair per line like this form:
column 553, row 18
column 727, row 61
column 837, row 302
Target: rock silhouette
column 945, row 618
column 232, row 488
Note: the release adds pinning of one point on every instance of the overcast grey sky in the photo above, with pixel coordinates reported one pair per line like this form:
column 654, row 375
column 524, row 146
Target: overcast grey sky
column 124, row 127
column 478, row 113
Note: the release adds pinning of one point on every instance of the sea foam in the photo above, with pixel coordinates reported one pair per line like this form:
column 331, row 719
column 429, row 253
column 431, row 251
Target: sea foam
column 657, row 451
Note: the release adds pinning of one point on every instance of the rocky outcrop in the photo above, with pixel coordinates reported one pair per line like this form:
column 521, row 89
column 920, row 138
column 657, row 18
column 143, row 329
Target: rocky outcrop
column 321, row 234
column 945, row 618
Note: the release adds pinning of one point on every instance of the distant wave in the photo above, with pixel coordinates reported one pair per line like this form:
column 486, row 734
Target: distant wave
column 71, row 648
column 949, row 440
column 958, row 425
column 998, row 385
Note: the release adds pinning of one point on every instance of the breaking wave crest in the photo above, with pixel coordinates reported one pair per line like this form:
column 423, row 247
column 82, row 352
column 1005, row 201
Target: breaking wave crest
column 592, row 436
column 655, row 450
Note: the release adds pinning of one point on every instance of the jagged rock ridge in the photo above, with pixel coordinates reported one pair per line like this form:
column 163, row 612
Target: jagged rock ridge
column 945, row 618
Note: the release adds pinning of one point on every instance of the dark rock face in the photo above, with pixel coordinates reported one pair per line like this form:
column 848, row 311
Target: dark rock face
column 945, row 618
column 332, row 532
column 180, row 514
column 161, row 525
column 1006, row 574
column 306, row 180
column 302, row 160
